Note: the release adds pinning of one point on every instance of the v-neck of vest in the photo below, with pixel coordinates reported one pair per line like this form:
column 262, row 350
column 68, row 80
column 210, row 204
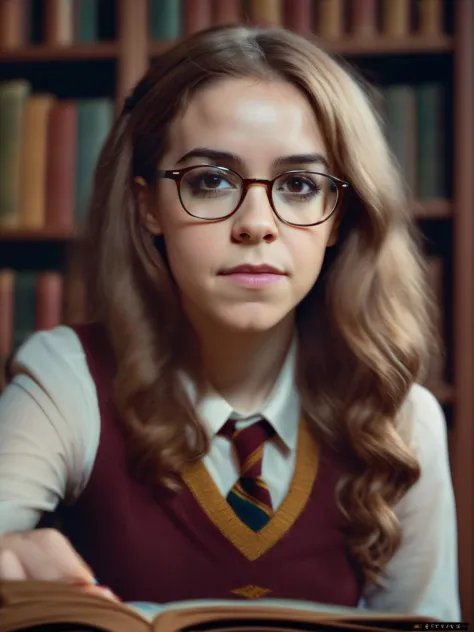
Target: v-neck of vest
column 253, row 544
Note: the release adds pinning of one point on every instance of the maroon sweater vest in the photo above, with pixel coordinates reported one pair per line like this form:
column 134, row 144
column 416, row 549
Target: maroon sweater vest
column 162, row 546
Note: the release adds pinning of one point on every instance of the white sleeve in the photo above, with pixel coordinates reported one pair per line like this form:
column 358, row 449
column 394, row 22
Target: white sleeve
column 49, row 428
column 422, row 577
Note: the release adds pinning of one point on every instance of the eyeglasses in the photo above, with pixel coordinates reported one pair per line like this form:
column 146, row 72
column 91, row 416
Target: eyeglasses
column 298, row 198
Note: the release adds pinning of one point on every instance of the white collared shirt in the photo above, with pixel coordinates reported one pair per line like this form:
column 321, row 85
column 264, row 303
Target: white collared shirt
column 49, row 435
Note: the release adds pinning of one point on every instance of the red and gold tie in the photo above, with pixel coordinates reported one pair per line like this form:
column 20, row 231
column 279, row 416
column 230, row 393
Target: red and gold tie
column 249, row 497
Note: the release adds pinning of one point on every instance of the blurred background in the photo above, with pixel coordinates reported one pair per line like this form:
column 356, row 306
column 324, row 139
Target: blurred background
column 66, row 67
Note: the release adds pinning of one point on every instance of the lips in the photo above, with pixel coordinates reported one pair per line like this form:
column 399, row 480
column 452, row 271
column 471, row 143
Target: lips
column 250, row 269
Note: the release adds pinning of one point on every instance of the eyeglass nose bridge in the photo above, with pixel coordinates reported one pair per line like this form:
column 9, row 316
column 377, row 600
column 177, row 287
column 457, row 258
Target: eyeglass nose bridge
column 252, row 182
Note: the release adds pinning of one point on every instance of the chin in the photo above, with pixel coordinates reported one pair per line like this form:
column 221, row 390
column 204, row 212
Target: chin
column 253, row 321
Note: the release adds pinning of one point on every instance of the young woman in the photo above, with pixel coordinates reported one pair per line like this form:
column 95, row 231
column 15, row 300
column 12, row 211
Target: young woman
column 242, row 416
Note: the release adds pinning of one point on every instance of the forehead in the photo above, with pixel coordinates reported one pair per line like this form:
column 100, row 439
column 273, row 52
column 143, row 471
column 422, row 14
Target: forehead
column 250, row 117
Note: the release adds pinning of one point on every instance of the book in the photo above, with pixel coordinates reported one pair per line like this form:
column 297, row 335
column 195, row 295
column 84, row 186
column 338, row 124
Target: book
column 13, row 96
column 430, row 17
column 14, row 16
column 298, row 15
column 330, row 19
column 33, row 605
column 363, row 18
column 431, row 157
column 59, row 22
column 401, row 120
column 165, row 19
column 396, row 17
column 33, row 152
column 86, row 21
column 227, row 12
column 61, row 166
column 265, row 12
column 197, row 15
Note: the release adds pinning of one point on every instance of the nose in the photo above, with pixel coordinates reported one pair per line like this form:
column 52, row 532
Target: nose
column 255, row 220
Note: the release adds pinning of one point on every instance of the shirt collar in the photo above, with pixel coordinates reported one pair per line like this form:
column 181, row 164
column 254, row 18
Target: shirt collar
column 281, row 409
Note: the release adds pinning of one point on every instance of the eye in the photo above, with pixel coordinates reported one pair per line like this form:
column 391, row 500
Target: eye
column 203, row 179
column 299, row 184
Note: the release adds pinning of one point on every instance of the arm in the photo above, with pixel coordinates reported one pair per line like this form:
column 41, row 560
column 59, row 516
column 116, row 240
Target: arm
column 422, row 577
column 49, row 428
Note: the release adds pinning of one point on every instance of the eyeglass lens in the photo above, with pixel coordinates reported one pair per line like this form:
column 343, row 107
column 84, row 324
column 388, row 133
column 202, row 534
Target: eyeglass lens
column 301, row 198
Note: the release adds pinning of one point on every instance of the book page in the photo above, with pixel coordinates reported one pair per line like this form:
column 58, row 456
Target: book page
column 150, row 611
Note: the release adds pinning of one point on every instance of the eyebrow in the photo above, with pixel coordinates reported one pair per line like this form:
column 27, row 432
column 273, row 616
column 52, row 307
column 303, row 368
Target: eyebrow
column 228, row 157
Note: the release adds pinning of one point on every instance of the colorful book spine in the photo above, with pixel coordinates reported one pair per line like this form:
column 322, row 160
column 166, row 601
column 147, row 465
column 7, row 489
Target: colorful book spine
column 49, row 300
column 165, row 19
column 396, row 17
column 226, row 12
column 197, row 15
column 86, row 20
column 61, row 166
column 14, row 23
column 266, row 12
column 401, row 116
column 363, row 18
column 94, row 120
column 24, row 309
column 297, row 15
column 33, row 161
column 330, row 19
column 430, row 17
column 7, row 281
column 431, row 167
column 59, row 22
column 13, row 96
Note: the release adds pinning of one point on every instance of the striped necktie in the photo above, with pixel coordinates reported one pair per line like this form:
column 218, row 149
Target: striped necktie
column 249, row 497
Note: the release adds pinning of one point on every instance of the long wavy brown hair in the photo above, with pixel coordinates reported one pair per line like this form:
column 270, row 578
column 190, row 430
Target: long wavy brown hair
column 364, row 323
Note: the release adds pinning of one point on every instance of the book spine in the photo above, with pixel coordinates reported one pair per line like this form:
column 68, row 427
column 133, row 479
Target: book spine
column 228, row 12
column 363, row 18
column 86, row 20
column 165, row 19
column 24, row 307
column 94, row 120
column 330, row 19
column 297, row 15
column 430, row 17
column 59, row 22
column 13, row 95
column 49, row 300
column 33, row 161
column 7, row 280
column 396, row 17
column 430, row 140
column 61, row 166
column 402, row 129
column 197, row 15
column 266, row 12
column 13, row 23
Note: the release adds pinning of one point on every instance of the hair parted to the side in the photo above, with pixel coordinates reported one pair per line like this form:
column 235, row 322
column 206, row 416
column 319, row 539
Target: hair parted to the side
column 364, row 324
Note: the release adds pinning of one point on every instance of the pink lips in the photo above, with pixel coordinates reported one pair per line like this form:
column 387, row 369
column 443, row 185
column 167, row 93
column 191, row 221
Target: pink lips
column 254, row 276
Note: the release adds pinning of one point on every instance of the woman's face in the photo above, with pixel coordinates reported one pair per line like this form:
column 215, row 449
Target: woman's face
column 256, row 125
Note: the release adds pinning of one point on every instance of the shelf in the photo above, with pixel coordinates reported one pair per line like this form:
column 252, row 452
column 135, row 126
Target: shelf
column 432, row 209
column 443, row 392
column 29, row 235
column 48, row 53
column 378, row 45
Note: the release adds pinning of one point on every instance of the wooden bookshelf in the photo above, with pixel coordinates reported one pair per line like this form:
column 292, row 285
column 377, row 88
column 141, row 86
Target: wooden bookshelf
column 432, row 209
column 46, row 53
column 369, row 46
column 132, row 50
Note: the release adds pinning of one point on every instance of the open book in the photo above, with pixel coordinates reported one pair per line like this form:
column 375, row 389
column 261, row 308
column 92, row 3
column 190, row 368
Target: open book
column 46, row 606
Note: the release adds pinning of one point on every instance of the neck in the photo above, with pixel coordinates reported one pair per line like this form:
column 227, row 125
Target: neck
column 243, row 367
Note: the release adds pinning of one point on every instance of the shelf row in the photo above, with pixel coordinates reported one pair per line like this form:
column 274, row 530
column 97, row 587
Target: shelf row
column 350, row 46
